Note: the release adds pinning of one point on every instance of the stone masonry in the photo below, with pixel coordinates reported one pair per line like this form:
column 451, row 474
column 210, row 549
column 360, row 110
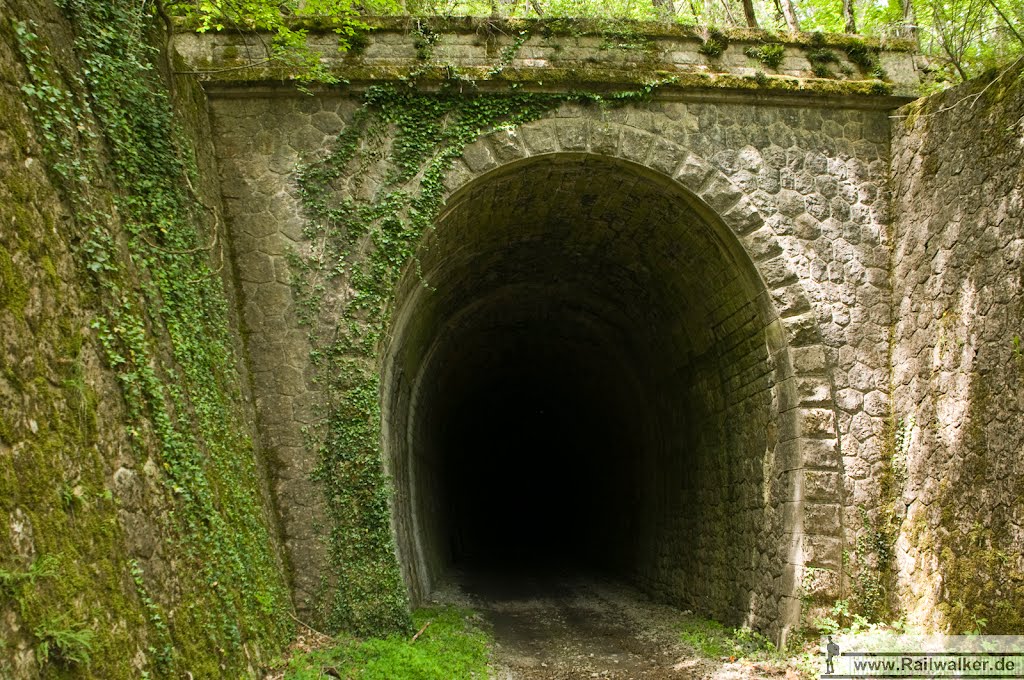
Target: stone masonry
column 797, row 177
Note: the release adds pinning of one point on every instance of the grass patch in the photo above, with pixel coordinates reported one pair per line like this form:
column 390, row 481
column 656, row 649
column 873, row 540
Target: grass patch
column 451, row 647
column 715, row 641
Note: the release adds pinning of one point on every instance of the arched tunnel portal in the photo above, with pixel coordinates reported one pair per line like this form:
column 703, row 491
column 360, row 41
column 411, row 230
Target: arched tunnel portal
column 582, row 374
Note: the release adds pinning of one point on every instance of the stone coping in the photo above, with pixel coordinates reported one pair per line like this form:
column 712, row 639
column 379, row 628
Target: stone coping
column 564, row 55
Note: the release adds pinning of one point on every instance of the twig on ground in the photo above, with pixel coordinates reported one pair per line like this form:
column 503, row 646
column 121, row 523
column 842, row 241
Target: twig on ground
column 420, row 632
column 306, row 625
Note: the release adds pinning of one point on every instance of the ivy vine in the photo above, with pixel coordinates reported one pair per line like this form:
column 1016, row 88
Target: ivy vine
column 368, row 243
column 363, row 245
column 162, row 323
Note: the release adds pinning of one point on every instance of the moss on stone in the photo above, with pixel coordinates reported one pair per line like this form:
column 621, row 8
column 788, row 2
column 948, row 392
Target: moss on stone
column 6, row 432
column 162, row 324
column 595, row 79
column 13, row 289
column 579, row 27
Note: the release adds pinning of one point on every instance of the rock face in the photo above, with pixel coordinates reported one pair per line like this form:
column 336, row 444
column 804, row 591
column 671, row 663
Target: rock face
column 958, row 357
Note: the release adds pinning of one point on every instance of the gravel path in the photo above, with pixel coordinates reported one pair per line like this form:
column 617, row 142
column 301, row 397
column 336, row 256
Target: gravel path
column 572, row 627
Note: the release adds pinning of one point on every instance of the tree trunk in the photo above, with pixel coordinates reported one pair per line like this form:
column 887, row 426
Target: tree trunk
column 789, row 11
column 851, row 20
column 748, row 13
column 1006, row 20
column 909, row 19
column 665, row 8
column 728, row 13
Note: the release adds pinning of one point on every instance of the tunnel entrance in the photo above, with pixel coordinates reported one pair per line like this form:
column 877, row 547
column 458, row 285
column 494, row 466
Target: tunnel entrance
column 581, row 377
column 532, row 448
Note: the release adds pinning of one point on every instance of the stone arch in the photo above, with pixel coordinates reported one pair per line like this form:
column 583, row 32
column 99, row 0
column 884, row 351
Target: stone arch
column 800, row 468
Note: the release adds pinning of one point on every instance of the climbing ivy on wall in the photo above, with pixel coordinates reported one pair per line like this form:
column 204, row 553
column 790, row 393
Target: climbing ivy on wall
column 431, row 130
column 367, row 244
column 117, row 150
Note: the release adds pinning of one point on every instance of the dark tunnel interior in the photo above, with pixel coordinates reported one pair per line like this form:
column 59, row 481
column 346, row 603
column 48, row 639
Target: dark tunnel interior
column 579, row 379
column 534, row 465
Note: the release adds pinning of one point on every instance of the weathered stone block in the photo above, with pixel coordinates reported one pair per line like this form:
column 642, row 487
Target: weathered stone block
column 817, row 422
column 540, row 137
column 809, row 360
column 573, row 135
column 604, row 139
column 507, row 145
column 635, row 144
column 479, row 157
column 822, row 551
column 693, row 172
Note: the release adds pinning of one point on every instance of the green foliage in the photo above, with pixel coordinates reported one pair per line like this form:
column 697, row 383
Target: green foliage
column 872, row 580
column 11, row 582
column 451, row 647
column 164, row 653
column 602, row 9
column 714, row 44
column 865, row 58
column 713, row 640
column 821, row 57
column 841, row 618
column 64, row 643
column 286, row 21
column 769, row 54
column 145, row 250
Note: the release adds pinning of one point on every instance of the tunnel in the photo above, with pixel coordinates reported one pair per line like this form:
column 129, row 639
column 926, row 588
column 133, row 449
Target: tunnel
column 581, row 376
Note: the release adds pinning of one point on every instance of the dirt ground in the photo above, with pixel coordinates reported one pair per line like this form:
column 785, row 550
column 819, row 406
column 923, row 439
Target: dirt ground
column 570, row 627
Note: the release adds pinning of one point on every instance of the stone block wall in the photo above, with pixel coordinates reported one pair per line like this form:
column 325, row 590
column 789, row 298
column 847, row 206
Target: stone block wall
column 813, row 178
column 958, row 358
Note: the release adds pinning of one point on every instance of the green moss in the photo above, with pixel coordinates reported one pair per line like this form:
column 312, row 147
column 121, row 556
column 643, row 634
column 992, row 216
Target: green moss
column 161, row 321
column 51, row 271
column 769, row 54
column 578, row 27
column 594, row 79
column 714, row 44
column 13, row 289
column 79, row 543
column 983, row 588
column 6, row 430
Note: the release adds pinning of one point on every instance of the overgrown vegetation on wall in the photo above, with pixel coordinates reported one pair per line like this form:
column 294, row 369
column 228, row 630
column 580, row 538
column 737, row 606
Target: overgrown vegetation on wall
column 962, row 38
column 367, row 244
column 146, row 245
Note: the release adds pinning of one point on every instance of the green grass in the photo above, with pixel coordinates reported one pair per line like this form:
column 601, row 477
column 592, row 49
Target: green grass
column 713, row 640
column 452, row 647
